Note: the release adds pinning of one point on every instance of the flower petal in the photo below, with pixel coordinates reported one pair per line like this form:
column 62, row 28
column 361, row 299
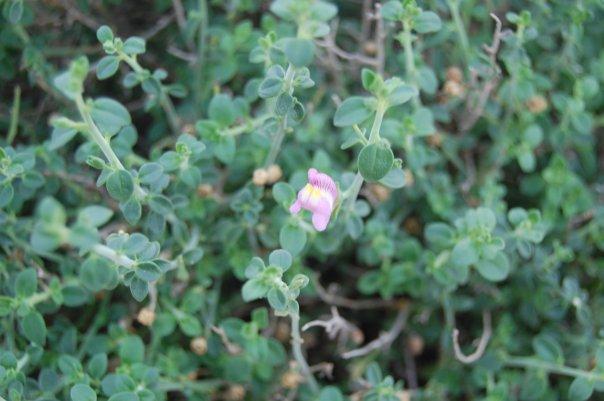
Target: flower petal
column 320, row 221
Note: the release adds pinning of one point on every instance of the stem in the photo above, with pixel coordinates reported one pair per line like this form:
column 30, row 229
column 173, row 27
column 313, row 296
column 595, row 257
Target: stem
column 102, row 141
column 201, row 50
column 278, row 140
column 352, row 192
column 14, row 116
column 409, row 59
column 164, row 99
column 117, row 258
column 299, row 356
column 529, row 362
column 461, row 30
column 247, row 126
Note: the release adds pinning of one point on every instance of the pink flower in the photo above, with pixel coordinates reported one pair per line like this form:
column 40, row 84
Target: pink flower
column 319, row 197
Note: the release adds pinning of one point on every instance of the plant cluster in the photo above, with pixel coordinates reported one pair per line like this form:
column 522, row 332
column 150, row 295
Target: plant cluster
column 301, row 200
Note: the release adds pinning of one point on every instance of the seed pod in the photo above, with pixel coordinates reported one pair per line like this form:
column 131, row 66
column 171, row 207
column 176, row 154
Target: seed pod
column 146, row 316
column 536, row 104
column 274, row 173
column 415, row 342
column 291, row 379
column 454, row 74
column 199, row 345
column 235, row 392
column 260, row 177
column 205, row 190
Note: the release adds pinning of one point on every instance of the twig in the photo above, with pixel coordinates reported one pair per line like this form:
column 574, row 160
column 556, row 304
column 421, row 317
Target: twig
column 232, row 349
column 77, row 15
column 335, row 327
column 410, row 370
column 380, row 37
column 384, row 340
column 158, row 27
column 482, row 343
column 474, row 109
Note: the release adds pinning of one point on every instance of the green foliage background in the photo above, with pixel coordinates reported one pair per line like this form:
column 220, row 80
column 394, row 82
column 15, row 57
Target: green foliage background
column 152, row 150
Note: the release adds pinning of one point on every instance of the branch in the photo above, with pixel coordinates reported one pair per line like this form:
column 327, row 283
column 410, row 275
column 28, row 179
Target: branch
column 482, row 343
column 384, row 340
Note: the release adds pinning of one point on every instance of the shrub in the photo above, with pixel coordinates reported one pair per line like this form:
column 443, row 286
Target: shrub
column 301, row 199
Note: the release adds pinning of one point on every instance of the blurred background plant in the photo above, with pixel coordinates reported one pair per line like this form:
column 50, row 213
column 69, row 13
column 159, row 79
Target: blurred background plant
column 152, row 151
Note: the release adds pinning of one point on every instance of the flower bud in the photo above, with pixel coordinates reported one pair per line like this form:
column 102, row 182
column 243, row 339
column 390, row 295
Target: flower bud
column 146, row 316
column 274, row 173
column 199, row 345
column 260, row 177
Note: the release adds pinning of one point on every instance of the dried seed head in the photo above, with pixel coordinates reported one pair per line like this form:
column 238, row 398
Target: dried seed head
column 453, row 89
column 199, row 345
column 235, row 392
column 146, row 316
column 260, row 177
column 537, row 104
column 454, row 74
column 205, row 190
column 291, row 379
column 274, row 173
column 415, row 342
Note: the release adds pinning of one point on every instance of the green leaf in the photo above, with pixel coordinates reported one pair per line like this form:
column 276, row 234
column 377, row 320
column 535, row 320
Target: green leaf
column 107, row 67
column 394, row 179
column 330, row 393
column 124, row 396
column 352, row 111
column 148, row 271
column 6, row 193
column 98, row 273
column 270, row 87
column 277, row 299
column 283, row 104
column 82, row 392
column 15, row 11
column 439, row 234
column 97, row 366
column 548, row 349
column 120, row 185
column 392, row 10
column 284, row 194
column 131, row 210
column 496, row 269
column 222, row 110
column 375, row 161
column 299, row 52
column 254, row 289
column 132, row 349
column 104, row 34
column 401, row 94
column 160, row 204
column 95, row 216
column 281, row 258
column 109, row 115
column 580, row 389
column 190, row 326
column 60, row 137
column 26, row 283
column 139, row 289
column 427, row 21
column 34, row 328
column 134, row 45
column 292, row 238
column 369, row 79
column 463, row 253
column 150, row 173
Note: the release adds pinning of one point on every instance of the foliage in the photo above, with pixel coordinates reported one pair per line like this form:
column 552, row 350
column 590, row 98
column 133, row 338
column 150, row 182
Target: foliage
column 156, row 157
